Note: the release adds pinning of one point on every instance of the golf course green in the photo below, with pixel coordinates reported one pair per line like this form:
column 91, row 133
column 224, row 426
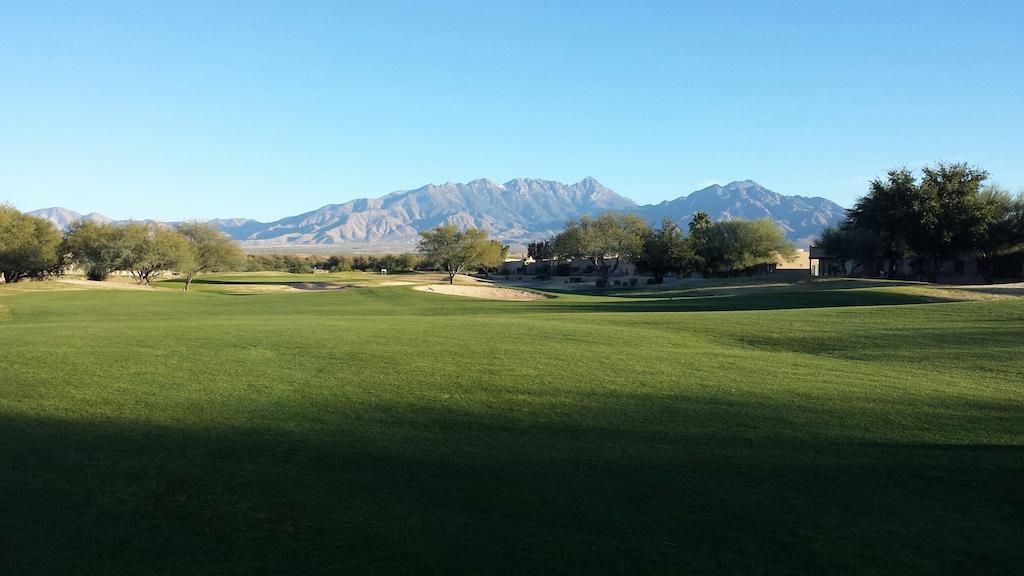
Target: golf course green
column 838, row 428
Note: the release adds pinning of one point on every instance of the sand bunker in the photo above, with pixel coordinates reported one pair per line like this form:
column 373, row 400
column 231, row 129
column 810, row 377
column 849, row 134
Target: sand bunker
column 319, row 286
column 486, row 292
column 105, row 285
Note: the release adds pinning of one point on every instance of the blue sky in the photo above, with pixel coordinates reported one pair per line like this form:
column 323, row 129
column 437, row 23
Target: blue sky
column 266, row 109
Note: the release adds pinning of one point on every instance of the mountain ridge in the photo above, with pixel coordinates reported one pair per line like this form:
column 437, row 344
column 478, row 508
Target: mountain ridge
column 516, row 211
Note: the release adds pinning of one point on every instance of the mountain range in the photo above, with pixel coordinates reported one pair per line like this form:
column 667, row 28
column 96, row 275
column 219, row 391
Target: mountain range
column 516, row 212
column 63, row 217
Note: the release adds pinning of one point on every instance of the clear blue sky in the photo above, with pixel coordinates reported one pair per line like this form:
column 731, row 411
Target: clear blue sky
column 268, row 109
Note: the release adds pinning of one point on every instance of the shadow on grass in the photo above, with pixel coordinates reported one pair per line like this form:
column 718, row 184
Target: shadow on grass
column 706, row 287
column 1012, row 289
column 825, row 295
column 446, row 492
column 256, row 281
column 736, row 302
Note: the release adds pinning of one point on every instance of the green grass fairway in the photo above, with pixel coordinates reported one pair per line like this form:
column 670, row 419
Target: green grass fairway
column 837, row 429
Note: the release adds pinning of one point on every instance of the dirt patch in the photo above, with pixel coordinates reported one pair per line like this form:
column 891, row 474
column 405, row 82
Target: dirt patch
column 320, row 286
column 486, row 292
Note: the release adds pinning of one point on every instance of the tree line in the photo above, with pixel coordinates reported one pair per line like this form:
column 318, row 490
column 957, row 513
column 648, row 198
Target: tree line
column 948, row 213
column 33, row 248
column 723, row 248
column 299, row 264
column 728, row 247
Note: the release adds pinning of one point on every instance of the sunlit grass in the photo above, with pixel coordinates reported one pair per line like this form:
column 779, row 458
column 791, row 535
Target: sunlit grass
column 845, row 428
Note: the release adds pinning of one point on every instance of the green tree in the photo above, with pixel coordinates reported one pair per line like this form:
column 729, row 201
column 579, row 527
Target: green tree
column 98, row 248
column 700, row 226
column 833, row 243
column 152, row 249
column 29, row 246
column 610, row 236
column 949, row 216
column 339, row 263
column 540, row 250
column 456, row 251
column 208, row 250
column 666, row 250
column 494, row 254
column 942, row 217
column 740, row 245
column 700, row 232
column 846, row 243
column 1001, row 233
column 889, row 211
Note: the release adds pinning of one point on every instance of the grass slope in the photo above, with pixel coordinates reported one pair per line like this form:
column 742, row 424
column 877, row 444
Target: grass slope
column 384, row 430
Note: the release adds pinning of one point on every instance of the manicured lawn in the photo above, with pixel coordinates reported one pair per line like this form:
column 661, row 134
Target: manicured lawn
column 384, row 430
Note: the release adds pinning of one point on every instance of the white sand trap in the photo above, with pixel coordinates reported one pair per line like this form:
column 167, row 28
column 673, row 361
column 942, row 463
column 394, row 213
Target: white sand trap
column 486, row 292
column 104, row 285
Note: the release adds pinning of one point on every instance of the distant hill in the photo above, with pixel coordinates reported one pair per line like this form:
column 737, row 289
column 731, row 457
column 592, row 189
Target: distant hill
column 801, row 217
column 517, row 211
column 63, row 217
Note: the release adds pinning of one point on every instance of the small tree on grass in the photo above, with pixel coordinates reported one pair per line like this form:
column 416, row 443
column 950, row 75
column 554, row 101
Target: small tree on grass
column 29, row 246
column 153, row 249
column 98, row 248
column 494, row 254
column 208, row 250
column 456, row 251
column 609, row 236
column 741, row 245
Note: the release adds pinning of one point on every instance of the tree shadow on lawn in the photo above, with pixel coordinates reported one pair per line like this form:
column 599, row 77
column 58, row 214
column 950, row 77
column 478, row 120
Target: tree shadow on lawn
column 611, row 488
column 986, row 347
column 258, row 281
column 738, row 302
column 571, row 302
column 711, row 286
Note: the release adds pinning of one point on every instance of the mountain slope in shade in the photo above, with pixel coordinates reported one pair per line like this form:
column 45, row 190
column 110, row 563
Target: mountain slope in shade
column 62, row 217
column 801, row 217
